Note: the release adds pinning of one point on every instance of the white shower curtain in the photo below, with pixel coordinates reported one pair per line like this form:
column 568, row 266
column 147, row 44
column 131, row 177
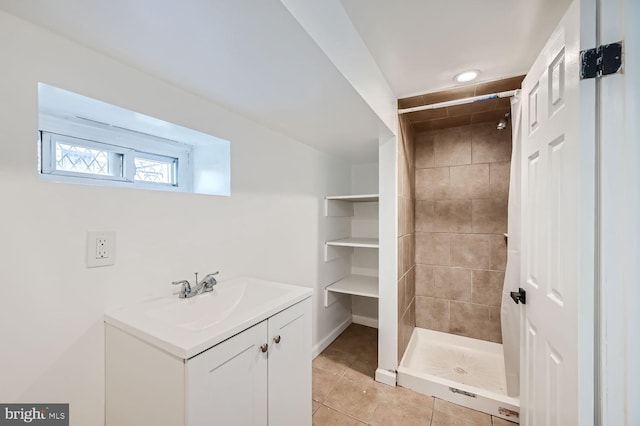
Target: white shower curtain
column 510, row 312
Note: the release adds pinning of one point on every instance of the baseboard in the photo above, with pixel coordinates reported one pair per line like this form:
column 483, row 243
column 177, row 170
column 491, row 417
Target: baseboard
column 385, row 376
column 368, row 321
column 322, row 345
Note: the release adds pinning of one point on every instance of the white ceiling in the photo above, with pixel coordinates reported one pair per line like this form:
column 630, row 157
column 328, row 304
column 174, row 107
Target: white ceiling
column 253, row 57
column 249, row 56
column 421, row 44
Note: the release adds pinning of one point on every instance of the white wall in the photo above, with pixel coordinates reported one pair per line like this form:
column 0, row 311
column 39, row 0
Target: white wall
column 632, row 108
column 619, row 230
column 365, row 223
column 388, row 271
column 51, row 305
column 364, row 178
column 328, row 24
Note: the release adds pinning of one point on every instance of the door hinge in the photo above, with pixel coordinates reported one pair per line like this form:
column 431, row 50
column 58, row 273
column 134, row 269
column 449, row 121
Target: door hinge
column 603, row 60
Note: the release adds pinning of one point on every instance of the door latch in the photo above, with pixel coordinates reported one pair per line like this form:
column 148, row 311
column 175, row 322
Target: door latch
column 519, row 296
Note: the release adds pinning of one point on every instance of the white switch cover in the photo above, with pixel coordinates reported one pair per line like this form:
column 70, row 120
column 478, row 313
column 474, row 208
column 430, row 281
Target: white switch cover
column 101, row 249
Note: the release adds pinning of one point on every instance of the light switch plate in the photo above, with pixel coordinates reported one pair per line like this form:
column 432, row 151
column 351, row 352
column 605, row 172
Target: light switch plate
column 101, row 249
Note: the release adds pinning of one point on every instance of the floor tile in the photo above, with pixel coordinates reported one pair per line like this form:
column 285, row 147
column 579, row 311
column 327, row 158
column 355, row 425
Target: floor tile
column 448, row 414
column 387, row 414
column 358, row 340
column 369, row 352
column 402, row 406
column 334, row 361
column 354, row 399
column 403, row 396
column 501, row 422
column 350, row 345
column 362, row 370
column 327, row 417
column 345, row 391
column 322, row 383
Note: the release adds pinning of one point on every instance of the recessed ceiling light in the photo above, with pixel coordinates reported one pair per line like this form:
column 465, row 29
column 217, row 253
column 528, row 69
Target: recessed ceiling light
column 466, row 76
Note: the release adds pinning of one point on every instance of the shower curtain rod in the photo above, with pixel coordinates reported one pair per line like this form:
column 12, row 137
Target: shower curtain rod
column 506, row 94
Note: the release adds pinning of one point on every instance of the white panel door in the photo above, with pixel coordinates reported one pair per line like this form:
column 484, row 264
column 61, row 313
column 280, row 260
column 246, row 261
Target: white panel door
column 290, row 366
column 557, row 184
column 227, row 385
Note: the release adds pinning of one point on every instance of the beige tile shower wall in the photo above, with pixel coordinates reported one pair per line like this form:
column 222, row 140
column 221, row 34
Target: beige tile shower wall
column 406, row 237
column 461, row 192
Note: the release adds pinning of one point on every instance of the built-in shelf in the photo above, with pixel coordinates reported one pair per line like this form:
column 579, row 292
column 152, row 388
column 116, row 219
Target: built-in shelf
column 342, row 205
column 356, row 285
column 355, row 242
column 356, row 219
column 364, row 198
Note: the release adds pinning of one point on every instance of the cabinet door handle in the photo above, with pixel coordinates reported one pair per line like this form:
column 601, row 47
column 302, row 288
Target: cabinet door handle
column 277, row 339
column 264, row 348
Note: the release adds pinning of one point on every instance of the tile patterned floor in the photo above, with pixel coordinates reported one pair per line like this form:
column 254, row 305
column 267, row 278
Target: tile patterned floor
column 345, row 393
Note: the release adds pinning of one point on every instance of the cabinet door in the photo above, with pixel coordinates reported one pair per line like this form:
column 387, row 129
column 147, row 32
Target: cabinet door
column 290, row 366
column 227, row 384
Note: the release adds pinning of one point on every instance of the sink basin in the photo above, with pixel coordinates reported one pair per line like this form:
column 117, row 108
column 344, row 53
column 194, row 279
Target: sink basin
column 208, row 309
column 186, row 327
column 198, row 312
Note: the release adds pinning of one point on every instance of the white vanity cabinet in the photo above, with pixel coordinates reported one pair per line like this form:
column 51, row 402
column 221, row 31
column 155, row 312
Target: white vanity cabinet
column 227, row 385
column 260, row 376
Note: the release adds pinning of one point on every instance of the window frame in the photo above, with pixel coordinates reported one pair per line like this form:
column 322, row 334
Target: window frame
column 155, row 157
column 128, row 143
column 48, row 142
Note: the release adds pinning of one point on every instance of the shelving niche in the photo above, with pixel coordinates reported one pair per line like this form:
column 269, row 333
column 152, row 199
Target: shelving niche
column 353, row 284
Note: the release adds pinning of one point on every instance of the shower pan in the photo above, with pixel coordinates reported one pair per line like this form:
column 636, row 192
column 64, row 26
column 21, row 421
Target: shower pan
column 462, row 370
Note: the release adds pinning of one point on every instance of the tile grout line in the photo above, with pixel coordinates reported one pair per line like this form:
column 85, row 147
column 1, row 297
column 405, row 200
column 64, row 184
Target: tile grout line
column 341, row 376
column 345, row 414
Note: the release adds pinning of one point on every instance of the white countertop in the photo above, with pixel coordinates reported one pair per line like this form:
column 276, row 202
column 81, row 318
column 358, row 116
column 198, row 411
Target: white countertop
column 186, row 327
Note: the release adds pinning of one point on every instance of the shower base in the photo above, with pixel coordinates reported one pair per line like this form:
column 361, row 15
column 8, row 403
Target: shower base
column 461, row 370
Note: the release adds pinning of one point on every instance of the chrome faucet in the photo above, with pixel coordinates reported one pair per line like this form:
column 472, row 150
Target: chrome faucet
column 207, row 282
column 185, row 291
column 204, row 286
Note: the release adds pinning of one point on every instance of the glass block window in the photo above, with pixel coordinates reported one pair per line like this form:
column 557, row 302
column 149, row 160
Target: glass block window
column 157, row 170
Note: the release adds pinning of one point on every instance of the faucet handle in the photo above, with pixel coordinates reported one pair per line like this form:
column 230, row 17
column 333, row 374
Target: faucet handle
column 209, row 281
column 185, row 290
